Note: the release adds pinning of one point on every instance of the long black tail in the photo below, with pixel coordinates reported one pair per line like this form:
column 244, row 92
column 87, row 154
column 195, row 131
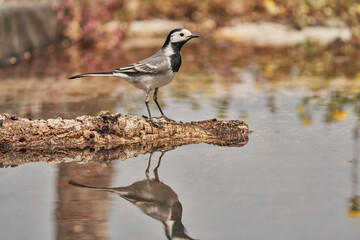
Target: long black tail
column 104, row 74
column 86, row 186
column 118, row 190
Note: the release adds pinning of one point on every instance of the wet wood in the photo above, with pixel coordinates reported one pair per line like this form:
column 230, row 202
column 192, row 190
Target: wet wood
column 105, row 137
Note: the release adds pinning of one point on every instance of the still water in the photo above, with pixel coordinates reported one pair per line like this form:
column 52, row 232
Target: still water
column 296, row 178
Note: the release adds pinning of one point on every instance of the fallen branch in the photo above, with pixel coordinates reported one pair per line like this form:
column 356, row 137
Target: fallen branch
column 106, row 137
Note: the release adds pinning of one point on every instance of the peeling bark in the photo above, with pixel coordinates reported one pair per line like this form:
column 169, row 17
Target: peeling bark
column 106, row 137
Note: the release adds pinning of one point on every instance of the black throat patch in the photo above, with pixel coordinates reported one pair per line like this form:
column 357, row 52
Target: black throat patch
column 175, row 61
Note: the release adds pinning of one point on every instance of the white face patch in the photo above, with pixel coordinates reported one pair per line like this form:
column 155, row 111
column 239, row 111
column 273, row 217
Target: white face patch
column 169, row 51
column 180, row 36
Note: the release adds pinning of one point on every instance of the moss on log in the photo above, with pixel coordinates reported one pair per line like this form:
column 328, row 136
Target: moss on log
column 106, row 137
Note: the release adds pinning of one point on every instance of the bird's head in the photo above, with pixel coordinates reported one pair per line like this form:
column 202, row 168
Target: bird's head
column 179, row 37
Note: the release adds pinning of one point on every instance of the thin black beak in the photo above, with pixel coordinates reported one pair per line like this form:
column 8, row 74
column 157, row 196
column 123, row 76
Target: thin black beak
column 194, row 36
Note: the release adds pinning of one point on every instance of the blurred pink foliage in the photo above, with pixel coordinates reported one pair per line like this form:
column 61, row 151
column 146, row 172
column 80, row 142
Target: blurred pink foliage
column 92, row 21
column 106, row 21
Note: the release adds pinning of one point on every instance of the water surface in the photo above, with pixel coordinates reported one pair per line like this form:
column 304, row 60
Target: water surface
column 296, row 178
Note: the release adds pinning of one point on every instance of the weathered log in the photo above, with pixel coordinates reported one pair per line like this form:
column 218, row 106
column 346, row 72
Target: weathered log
column 106, row 137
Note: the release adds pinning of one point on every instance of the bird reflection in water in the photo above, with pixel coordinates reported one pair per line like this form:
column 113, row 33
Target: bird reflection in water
column 154, row 198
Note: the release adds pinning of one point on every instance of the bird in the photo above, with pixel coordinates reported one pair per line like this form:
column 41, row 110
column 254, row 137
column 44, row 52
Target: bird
column 155, row 71
column 155, row 199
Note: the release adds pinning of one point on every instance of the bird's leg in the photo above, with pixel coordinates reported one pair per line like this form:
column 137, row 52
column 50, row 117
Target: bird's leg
column 148, row 167
column 157, row 166
column 158, row 105
column 150, row 120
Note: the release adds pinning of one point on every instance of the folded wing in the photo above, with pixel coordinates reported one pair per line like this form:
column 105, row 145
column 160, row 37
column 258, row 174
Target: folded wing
column 137, row 68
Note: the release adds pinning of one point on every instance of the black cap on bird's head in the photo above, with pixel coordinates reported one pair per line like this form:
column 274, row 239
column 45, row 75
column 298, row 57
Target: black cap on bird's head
column 178, row 37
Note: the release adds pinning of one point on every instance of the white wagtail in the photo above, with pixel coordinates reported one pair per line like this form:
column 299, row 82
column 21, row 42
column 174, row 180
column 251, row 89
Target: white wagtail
column 153, row 72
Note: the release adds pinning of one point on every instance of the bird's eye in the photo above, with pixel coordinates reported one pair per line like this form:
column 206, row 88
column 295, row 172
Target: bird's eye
column 181, row 34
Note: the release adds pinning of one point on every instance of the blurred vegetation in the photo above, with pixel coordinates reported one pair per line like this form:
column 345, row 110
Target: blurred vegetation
column 89, row 21
column 311, row 65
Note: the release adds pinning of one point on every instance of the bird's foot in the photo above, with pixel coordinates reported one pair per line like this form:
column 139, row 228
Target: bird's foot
column 152, row 123
column 163, row 117
column 167, row 119
column 155, row 124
